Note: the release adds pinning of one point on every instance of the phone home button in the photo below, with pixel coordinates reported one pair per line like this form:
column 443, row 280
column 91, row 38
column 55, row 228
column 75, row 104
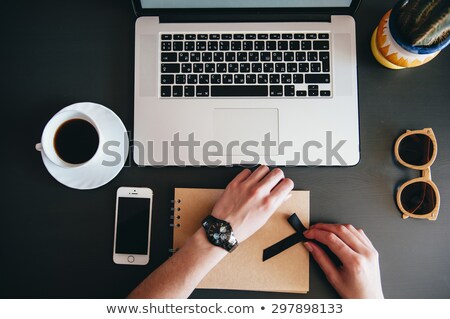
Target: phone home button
column 131, row 259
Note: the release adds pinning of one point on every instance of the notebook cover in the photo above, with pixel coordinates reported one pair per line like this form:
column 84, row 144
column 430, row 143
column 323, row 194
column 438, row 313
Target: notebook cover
column 243, row 269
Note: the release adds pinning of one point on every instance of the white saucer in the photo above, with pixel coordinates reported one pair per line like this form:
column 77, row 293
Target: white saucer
column 93, row 175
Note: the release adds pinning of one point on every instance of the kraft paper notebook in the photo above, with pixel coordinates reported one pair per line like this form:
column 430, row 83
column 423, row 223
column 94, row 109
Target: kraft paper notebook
column 244, row 269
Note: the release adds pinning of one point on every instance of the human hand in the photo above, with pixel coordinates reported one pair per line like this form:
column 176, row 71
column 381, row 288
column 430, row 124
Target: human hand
column 359, row 275
column 251, row 198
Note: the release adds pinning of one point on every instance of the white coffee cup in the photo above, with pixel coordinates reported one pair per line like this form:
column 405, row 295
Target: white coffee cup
column 47, row 145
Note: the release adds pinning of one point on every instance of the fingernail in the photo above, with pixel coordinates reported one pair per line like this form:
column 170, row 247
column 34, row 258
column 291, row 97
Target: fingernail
column 308, row 247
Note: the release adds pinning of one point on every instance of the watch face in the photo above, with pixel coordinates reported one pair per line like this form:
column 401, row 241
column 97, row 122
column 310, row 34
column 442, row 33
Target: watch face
column 219, row 233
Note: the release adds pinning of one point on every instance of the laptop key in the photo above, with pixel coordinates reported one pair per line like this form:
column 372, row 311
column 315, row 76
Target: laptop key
column 292, row 67
column 315, row 67
column 214, row 36
column 168, row 57
column 189, row 90
column 317, row 78
column 275, row 36
column 233, row 67
column 325, row 93
column 215, row 78
column 177, row 46
column 180, row 79
column 263, row 78
column 236, row 45
column 286, row 36
column 189, row 46
column 313, row 93
column 166, row 37
column 286, row 78
column 280, row 67
column 311, row 36
column 178, row 36
column 227, row 79
column 250, row 78
column 166, row 91
column 253, row 56
column 190, row 37
column 192, row 79
column 244, row 67
column 227, row 36
column 250, row 36
column 294, row 45
column 213, row 46
column 321, row 45
column 299, row 36
column 200, row 46
column 239, row 90
column 186, row 68
column 298, row 78
column 238, row 36
column 268, row 67
column 170, row 68
column 206, row 56
column 177, row 91
column 218, row 56
column 324, row 35
column 283, row 45
column 183, row 57
column 256, row 67
column 210, row 68
column 274, row 78
column 259, row 45
column 306, row 45
column 247, row 45
column 230, row 56
column 300, row 56
column 289, row 90
column 263, row 36
column 198, row 67
column 303, row 67
column 277, row 56
column 195, row 57
column 167, row 79
column 271, row 45
column 312, row 56
column 301, row 93
column 242, row 56
column 202, row 36
column 224, row 45
column 265, row 56
column 221, row 68
column 203, row 79
column 239, row 78
column 276, row 90
column 166, row 46
column 202, row 91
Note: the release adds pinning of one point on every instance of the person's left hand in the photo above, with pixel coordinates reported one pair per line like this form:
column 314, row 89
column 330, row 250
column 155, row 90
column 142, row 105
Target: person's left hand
column 251, row 198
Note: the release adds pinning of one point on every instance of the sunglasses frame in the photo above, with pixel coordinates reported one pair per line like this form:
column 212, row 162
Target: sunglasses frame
column 425, row 174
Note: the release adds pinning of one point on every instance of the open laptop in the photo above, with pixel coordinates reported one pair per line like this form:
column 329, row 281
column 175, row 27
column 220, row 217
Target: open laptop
column 246, row 82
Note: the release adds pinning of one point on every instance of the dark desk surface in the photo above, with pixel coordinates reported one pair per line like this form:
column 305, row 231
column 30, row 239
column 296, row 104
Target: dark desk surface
column 57, row 242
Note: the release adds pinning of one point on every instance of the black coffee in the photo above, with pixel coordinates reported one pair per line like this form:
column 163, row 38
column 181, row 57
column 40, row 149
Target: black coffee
column 76, row 141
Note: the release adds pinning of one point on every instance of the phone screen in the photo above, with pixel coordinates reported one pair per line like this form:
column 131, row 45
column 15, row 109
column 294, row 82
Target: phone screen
column 133, row 225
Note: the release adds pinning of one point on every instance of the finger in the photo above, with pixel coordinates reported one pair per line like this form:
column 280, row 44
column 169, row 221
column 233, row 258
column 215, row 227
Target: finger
column 258, row 174
column 242, row 176
column 322, row 259
column 350, row 238
column 367, row 240
column 281, row 191
column 336, row 245
column 271, row 180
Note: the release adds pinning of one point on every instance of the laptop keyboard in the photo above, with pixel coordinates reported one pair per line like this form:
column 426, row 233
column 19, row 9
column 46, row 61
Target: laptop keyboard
column 274, row 65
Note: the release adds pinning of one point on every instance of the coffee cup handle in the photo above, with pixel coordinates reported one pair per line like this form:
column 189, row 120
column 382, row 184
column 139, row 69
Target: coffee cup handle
column 38, row 147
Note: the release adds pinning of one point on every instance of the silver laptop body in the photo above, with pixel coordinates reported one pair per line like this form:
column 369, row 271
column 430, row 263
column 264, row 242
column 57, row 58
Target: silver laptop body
column 192, row 108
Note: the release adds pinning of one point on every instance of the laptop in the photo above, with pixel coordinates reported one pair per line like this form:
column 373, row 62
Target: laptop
column 221, row 83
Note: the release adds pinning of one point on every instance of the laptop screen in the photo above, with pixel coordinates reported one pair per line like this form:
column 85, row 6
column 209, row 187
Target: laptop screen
column 172, row 4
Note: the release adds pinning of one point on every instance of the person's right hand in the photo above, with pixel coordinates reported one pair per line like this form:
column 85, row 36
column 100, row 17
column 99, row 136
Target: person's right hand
column 359, row 275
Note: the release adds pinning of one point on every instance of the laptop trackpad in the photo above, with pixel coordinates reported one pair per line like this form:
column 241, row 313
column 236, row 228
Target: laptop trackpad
column 247, row 131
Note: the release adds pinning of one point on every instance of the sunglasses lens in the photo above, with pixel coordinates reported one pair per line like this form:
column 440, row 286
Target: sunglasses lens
column 418, row 198
column 416, row 149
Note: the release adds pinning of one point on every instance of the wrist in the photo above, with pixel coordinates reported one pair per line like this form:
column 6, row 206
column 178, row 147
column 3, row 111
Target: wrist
column 200, row 243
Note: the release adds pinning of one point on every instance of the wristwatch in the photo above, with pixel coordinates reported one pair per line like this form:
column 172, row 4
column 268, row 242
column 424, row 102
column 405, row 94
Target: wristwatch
column 220, row 233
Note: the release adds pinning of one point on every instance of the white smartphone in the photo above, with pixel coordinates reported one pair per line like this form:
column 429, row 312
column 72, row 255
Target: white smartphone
column 133, row 225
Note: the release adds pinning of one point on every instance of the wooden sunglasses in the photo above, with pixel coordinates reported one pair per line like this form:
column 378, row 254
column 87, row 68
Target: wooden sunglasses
column 419, row 197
